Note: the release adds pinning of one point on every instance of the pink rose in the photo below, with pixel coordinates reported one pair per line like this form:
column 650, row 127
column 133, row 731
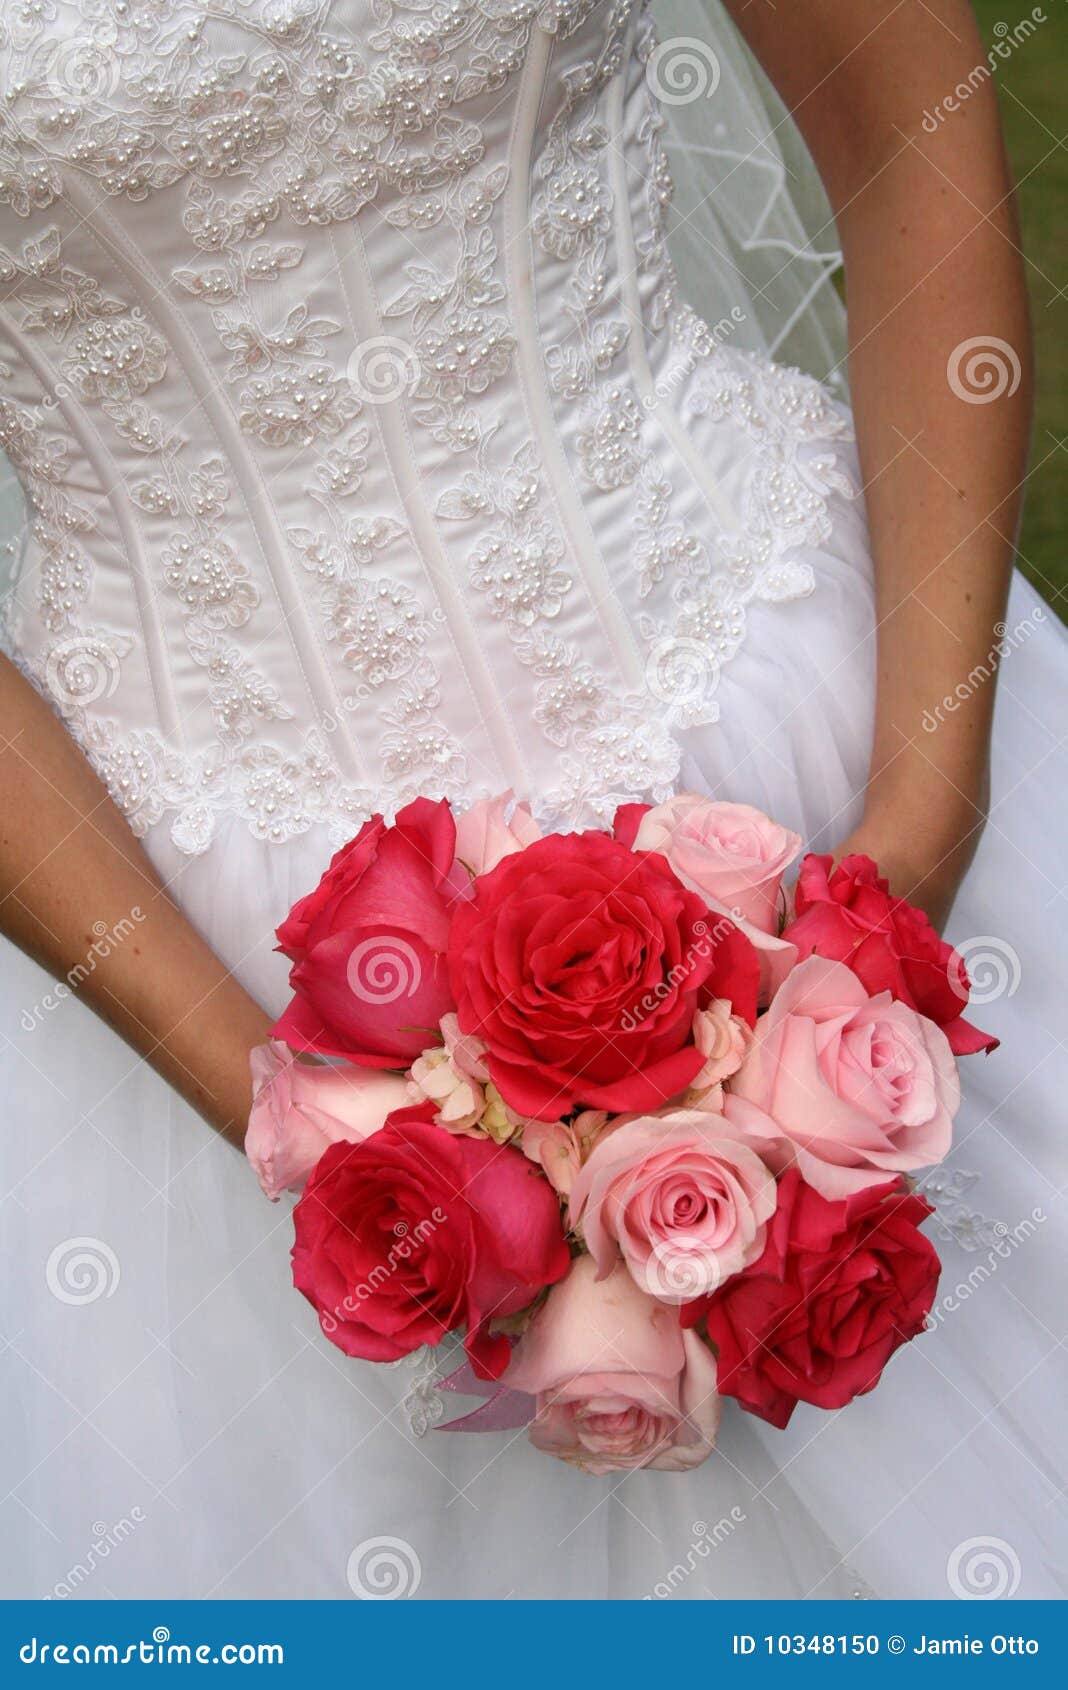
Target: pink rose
column 735, row 857
column 858, row 1088
column 618, row 1383
column 681, row 1196
column 299, row 1108
column 484, row 837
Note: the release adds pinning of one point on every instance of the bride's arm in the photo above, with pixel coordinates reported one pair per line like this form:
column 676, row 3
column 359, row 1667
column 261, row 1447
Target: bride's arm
column 70, row 869
column 931, row 247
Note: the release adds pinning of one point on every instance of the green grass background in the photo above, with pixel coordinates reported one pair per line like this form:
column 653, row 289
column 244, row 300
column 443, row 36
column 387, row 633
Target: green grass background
column 1033, row 91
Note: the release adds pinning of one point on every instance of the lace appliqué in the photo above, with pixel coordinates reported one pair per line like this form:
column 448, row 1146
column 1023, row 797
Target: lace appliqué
column 112, row 359
column 423, row 1403
column 955, row 1222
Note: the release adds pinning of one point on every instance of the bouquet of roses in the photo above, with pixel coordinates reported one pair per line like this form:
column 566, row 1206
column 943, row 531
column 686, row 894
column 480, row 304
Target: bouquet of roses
column 589, row 1102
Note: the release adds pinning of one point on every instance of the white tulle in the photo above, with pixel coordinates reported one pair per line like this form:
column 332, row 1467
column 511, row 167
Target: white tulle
column 173, row 1422
column 196, row 1400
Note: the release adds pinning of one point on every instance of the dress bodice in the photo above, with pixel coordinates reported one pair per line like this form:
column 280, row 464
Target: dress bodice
column 367, row 445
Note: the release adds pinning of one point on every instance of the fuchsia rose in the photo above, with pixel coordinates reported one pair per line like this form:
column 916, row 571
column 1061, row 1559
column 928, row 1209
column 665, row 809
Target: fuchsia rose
column 735, row 857
column 854, row 1089
column 850, row 916
column 618, row 1383
column 839, row 1287
column 484, row 838
column 580, row 965
column 300, row 1108
column 416, row 1232
column 680, row 1195
column 368, row 945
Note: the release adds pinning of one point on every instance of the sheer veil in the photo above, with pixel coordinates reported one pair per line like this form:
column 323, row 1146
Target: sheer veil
column 751, row 228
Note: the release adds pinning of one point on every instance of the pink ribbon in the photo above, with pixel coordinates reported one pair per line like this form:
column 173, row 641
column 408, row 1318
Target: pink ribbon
column 504, row 1410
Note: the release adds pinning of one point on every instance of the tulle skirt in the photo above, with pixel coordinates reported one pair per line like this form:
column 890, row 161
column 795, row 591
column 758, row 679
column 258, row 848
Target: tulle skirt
column 174, row 1424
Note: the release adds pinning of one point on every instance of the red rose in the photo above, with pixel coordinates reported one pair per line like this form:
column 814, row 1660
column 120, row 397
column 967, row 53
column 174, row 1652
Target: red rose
column 415, row 1232
column 581, row 964
column 850, row 916
column 839, row 1287
column 368, row 944
column 626, row 822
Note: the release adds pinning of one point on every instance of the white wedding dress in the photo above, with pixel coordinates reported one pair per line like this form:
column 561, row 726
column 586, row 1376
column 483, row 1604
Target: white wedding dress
column 369, row 449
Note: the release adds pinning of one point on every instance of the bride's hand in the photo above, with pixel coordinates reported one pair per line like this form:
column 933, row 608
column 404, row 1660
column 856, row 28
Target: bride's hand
column 931, row 251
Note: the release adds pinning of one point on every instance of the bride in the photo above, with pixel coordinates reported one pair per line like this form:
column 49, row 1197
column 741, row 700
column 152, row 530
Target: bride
column 374, row 443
